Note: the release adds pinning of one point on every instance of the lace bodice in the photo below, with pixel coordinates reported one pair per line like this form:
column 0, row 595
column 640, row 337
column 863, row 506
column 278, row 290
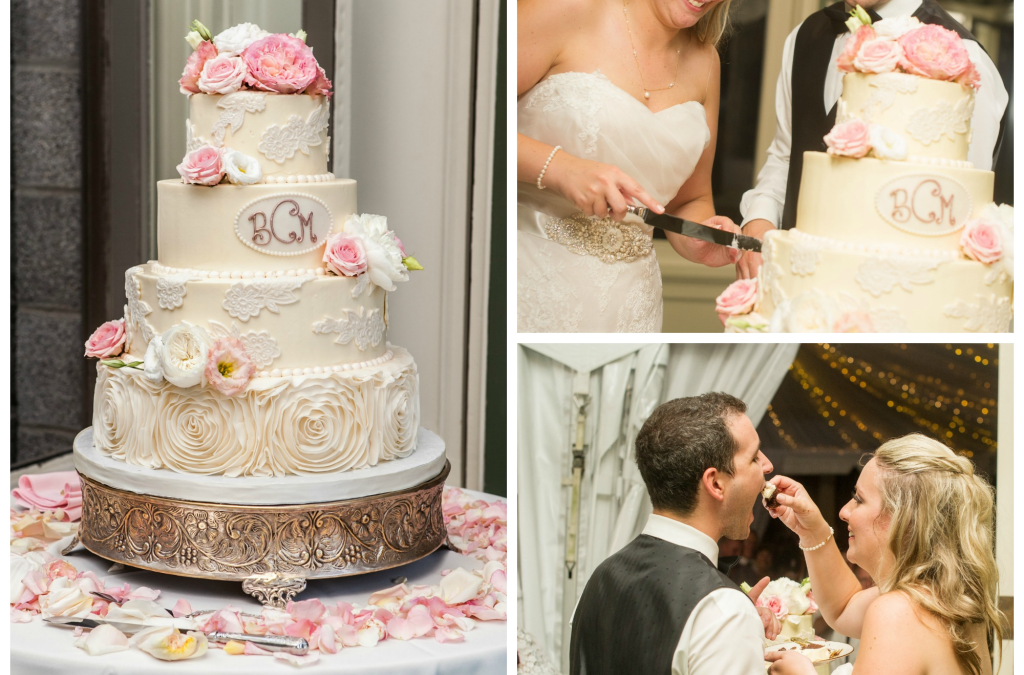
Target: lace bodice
column 593, row 119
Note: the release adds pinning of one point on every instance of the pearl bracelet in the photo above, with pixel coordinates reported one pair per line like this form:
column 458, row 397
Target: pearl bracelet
column 815, row 548
column 544, row 170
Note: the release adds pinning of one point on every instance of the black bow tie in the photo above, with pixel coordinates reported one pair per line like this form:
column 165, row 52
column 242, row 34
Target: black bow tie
column 727, row 562
column 839, row 13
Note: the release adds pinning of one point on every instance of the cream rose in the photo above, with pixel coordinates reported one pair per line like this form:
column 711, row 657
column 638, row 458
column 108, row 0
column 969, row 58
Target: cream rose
column 887, row 144
column 114, row 421
column 199, row 432
column 184, row 354
column 65, row 598
column 398, row 415
column 242, row 169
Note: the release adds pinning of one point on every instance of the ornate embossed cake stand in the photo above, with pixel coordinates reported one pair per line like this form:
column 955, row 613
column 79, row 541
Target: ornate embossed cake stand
column 264, row 532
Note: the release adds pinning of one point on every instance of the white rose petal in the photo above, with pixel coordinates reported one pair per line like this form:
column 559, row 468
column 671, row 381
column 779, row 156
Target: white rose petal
column 65, row 598
column 241, row 169
column 895, row 27
column 383, row 258
column 152, row 367
column 234, row 40
column 460, row 586
column 185, row 349
column 887, row 144
column 104, row 639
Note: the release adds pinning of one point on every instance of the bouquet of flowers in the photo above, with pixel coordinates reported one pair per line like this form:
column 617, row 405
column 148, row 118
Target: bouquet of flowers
column 792, row 604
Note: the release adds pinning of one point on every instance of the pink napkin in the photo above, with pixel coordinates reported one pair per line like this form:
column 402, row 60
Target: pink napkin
column 51, row 491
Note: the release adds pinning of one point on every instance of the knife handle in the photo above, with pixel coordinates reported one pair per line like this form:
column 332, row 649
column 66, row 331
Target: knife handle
column 275, row 643
column 639, row 211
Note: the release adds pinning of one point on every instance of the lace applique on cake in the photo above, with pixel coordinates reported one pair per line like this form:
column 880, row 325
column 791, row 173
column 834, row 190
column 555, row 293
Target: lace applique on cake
column 987, row 315
column 928, row 125
column 192, row 140
column 577, row 92
column 881, row 275
column 170, row 291
column 262, row 348
column 235, row 106
column 246, row 299
column 136, row 310
column 281, row 143
column 883, row 93
column 364, row 328
column 642, row 311
column 803, row 259
column 888, row 320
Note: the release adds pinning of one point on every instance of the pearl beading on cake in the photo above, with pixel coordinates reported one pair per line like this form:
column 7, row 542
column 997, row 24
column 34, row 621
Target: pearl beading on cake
column 877, row 249
column 326, row 370
column 941, row 161
column 237, row 274
column 296, row 178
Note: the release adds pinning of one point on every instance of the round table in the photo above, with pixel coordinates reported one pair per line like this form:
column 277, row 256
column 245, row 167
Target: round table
column 41, row 649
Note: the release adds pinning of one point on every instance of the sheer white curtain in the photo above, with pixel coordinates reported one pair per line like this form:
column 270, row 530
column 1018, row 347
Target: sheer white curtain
column 625, row 383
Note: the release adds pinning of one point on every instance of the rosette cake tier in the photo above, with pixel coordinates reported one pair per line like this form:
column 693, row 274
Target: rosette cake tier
column 895, row 230
column 251, row 420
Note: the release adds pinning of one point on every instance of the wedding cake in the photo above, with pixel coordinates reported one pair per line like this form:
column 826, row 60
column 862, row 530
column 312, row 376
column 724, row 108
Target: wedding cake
column 895, row 229
column 251, row 366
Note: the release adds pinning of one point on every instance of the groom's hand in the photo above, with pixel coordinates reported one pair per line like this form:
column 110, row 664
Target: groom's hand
column 706, row 253
column 750, row 263
column 768, row 619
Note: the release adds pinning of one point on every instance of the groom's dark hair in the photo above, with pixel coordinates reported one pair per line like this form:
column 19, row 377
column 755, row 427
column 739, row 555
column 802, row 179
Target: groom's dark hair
column 681, row 440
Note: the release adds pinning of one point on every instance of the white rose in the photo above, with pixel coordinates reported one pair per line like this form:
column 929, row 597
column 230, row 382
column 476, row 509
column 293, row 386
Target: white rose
column 234, row 40
column 895, row 27
column 383, row 257
column 780, row 588
column 1003, row 215
column 151, row 366
column 65, row 598
column 241, row 169
column 811, row 312
column 193, row 39
column 183, row 357
column 887, row 144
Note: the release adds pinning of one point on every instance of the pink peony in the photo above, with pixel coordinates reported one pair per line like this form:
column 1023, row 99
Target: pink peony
column 107, row 341
column 853, row 44
column 345, row 255
column 222, row 75
column 322, row 86
column 850, row 139
column 934, row 52
column 202, row 166
column 775, row 605
column 854, row 322
column 189, row 82
column 982, row 240
column 280, row 63
column 878, row 56
column 738, row 298
column 229, row 367
column 401, row 247
column 970, row 78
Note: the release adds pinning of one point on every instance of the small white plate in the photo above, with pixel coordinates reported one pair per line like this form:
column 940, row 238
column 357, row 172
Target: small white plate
column 844, row 649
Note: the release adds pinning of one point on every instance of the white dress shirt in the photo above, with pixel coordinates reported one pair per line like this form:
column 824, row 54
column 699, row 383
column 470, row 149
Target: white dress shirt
column 767, row 198
column 724, row 634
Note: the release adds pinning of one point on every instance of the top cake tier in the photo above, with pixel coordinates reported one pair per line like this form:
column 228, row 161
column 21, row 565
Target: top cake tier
column 932, row 116
column 285, row 133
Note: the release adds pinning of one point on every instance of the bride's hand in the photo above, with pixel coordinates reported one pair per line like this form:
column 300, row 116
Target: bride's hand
column 797, row 511
column 596, row 189
column 789, row 663
column 713, row 255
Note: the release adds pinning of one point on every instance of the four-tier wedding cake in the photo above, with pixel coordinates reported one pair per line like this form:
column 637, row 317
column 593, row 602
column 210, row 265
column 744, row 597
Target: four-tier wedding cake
column 895, row 229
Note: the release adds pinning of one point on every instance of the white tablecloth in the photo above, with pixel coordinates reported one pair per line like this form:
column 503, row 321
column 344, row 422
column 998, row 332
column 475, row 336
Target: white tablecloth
column 41, row 649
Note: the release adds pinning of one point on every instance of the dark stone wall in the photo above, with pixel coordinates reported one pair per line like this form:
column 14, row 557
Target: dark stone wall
column 46, row 234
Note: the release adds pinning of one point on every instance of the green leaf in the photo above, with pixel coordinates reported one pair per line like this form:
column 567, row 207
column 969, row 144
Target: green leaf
column 118, row 363
column 203, row 31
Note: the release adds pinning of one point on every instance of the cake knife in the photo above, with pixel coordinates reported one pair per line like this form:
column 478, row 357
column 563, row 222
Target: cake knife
column 696, row 230
column 275, row 643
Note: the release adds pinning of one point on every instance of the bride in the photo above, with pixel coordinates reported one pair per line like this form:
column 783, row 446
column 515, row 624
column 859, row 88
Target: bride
column 920, row 524
column 618, row 100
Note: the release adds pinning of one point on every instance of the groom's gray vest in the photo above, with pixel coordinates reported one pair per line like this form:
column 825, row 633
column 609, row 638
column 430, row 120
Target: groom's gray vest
column 812, row 54
column 635, row 606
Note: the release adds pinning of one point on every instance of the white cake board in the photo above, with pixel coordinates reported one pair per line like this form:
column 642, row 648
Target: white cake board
column 426, row 462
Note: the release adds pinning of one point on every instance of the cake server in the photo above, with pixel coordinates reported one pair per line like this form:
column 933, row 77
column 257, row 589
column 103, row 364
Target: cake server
column 274, row 643
column 696, row 230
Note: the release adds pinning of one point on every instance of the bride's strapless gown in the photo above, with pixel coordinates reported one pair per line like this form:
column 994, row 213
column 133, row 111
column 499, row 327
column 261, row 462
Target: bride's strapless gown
column 598, row 276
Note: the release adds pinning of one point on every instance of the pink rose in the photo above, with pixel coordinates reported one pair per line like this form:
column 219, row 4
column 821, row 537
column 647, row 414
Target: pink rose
column 60, row 568
column 345, row 255
column 970, row 78
column 322, row 86
column 401, row 247
column 878, row 56
column 934, row 52
column 222, row 75
column 107, row 341
column 850, row 139
column 775, row 605
column 202, row 166
column 738, row 298
column 854, row 322
column 853, row 44
column 280, row 63
column 982, row 240
column 189, row 82
column 229, row 367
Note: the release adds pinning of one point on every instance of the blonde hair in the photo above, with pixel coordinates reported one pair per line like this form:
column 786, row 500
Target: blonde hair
column 712, row 26
column 940, row 538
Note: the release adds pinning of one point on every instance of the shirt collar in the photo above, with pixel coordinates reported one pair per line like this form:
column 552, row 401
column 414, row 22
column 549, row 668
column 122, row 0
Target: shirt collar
column 898, row 8
column 681, row 534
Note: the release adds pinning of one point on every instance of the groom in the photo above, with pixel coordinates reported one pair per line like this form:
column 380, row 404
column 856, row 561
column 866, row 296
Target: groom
column 660, row 605
column 808, row 89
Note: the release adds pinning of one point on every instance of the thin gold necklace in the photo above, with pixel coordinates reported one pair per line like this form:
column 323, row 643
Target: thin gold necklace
column 647, row 90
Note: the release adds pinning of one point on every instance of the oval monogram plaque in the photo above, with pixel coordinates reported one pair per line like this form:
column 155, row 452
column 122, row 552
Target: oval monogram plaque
column 284, row 224
column 927, row 204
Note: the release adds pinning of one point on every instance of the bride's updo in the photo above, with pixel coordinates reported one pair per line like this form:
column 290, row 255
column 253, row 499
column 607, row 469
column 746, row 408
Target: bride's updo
column 940, row 539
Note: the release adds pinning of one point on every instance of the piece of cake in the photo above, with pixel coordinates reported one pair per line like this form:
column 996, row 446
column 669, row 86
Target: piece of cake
column 770, row 495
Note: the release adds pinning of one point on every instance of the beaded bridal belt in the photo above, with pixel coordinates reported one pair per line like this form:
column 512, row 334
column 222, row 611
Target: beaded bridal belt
column 602, row 238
